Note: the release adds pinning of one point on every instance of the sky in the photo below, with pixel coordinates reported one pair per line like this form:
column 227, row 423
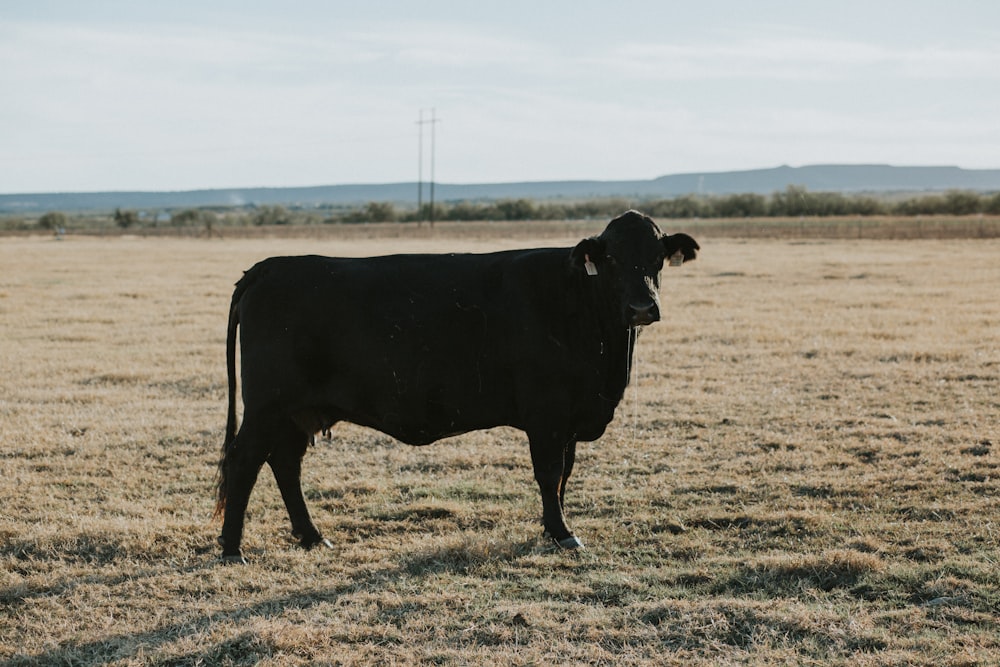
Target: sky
column 191, row 94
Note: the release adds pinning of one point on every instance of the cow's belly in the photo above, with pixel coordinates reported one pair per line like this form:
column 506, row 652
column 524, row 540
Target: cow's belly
column 419, row 403
column 419, row 417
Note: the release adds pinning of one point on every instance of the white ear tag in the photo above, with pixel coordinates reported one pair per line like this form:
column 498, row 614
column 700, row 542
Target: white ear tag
column 589, row 266
column 677, row 258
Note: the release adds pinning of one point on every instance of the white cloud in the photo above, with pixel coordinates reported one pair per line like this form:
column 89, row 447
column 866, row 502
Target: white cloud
column 107, row 105
column 791, row 58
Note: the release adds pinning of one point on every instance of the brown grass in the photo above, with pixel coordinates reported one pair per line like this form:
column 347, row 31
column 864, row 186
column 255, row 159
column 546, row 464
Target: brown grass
column 805, row 472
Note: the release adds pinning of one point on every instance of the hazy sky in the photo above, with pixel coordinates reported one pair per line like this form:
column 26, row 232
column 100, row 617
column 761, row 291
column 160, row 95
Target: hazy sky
column 136, row 95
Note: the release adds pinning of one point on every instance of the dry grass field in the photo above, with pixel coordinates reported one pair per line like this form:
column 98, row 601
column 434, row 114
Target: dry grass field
column 805, row 471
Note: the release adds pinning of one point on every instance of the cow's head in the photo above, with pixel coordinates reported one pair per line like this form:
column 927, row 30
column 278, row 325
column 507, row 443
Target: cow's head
column 624, row 263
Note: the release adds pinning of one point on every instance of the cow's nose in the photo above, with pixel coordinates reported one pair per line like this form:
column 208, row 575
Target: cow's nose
column 640, row 315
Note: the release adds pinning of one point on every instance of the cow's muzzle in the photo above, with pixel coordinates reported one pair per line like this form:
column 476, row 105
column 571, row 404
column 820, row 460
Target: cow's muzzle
column 643, row 314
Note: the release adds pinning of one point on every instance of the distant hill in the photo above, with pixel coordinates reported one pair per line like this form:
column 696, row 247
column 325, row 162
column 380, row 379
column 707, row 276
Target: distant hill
column 816, row 178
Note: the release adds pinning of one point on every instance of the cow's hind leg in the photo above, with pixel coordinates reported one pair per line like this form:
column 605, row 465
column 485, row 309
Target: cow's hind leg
column 549, row 458
column 243, row 462
column 286, row 464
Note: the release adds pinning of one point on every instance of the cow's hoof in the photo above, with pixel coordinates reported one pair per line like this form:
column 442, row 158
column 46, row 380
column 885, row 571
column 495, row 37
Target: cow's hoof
column 317, row 541
column 233, row 559
column 571, row 542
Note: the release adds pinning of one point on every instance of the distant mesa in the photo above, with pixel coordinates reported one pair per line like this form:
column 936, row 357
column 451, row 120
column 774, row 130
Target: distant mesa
column 872, row 178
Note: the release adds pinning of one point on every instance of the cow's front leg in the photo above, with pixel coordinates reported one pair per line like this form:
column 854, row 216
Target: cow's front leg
column 548, row 458
column 569, row 458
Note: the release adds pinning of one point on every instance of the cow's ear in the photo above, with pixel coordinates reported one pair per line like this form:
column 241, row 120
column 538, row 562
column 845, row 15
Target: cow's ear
column 682, row 243
column 588, row 255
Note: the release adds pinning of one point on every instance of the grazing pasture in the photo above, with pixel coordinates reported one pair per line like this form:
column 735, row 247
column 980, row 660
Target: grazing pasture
column 805, row 470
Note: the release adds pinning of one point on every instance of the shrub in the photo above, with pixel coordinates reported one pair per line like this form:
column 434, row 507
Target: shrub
column 514, row 209
column 992, row 205
column 186, row 218
column 960, row 202
column 126, row 219
column 271, row 215
column 380, row 212
column 53, row 220
column 739, row 206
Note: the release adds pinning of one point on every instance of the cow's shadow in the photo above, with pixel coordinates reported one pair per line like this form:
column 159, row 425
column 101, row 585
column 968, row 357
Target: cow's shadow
column 455, row 558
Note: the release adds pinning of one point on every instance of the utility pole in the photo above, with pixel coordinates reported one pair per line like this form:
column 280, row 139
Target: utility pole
column 432, row 121
column 420, row 167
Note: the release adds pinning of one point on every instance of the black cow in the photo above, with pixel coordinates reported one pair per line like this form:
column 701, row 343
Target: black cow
column 423, row 347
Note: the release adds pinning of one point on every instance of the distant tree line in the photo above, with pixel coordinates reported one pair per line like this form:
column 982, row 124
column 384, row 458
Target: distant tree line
column 794, row 201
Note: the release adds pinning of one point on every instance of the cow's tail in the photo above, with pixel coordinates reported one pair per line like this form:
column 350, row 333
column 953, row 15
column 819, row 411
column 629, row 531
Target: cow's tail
column 230, row 437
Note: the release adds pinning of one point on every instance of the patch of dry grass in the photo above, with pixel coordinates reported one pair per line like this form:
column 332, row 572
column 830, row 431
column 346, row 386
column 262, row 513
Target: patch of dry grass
column 805, row 472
